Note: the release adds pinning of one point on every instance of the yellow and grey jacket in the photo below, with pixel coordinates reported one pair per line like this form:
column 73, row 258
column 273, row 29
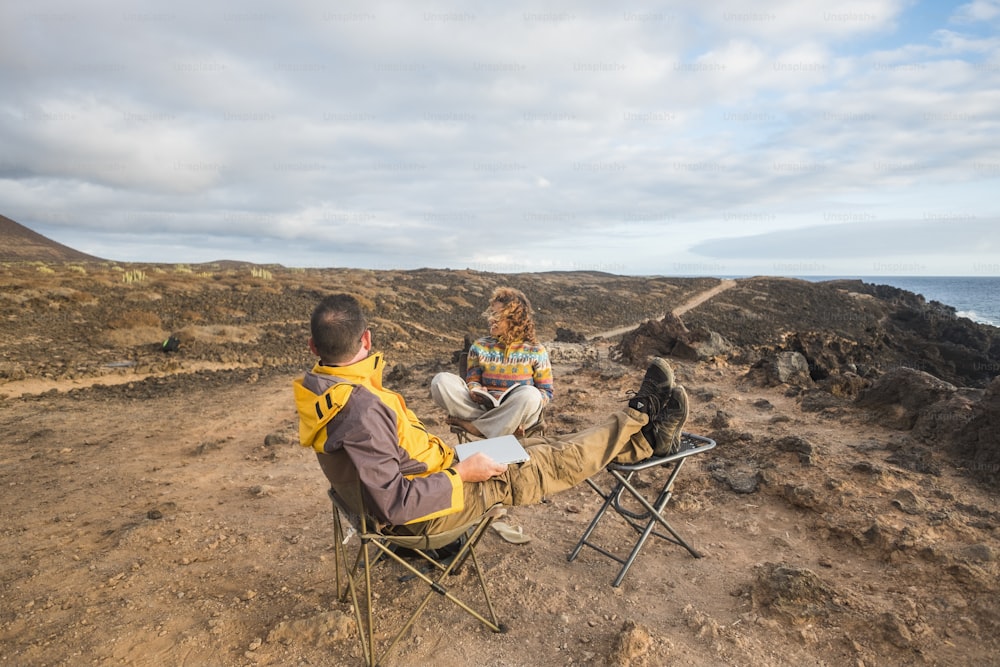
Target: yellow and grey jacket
column 404, row 470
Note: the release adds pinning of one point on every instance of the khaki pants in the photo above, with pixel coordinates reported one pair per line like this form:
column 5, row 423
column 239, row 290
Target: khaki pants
column 557, row 463
column 522, row 406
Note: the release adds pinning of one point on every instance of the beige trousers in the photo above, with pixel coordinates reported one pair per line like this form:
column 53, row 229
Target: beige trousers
column 522, row 406
column 557, row 463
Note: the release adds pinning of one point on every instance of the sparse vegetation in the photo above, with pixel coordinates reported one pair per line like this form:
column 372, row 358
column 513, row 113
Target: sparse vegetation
column 262, row 274
column 133, row 276
column 821, row 518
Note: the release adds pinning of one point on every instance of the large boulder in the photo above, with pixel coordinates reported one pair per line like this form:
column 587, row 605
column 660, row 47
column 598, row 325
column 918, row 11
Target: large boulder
column 669, row 337
column 903, row 395
column 829, row 353
column 781, row 368
column 976, row 443
column 942, row 420
column 700, row 345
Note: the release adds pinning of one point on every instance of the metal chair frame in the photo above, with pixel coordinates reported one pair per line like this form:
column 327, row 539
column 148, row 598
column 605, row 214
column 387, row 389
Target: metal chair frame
column 376, row 543
column 644, row 522
column 538, row 428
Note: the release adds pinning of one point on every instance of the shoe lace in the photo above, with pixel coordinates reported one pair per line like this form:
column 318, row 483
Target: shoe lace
column 651, row 397
column 649, row 387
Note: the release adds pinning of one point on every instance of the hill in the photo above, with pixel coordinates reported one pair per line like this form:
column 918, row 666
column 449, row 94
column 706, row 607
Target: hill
column 20, row 244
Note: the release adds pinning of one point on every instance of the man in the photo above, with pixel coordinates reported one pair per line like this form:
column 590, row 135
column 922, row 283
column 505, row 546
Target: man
column 410, row 477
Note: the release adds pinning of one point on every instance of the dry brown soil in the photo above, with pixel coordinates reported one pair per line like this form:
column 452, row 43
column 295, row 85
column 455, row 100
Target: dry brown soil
column 176, row 521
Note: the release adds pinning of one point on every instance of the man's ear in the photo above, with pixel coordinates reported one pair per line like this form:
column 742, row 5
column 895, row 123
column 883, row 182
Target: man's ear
column 312, row 347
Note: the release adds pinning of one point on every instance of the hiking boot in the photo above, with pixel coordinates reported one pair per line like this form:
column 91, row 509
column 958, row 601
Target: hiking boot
column 655, row 389
column 652, row 396
column 667, row 426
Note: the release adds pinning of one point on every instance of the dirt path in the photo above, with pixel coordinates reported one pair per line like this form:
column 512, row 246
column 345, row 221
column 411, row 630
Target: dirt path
column 124, row 375
column 18, row 388
column 693, row 302
column 701, row 298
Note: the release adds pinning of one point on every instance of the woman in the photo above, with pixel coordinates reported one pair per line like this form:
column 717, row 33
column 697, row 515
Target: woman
column 508, row 378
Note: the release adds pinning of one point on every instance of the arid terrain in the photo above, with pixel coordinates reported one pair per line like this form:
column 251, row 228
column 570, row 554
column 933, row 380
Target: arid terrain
column 158, row 510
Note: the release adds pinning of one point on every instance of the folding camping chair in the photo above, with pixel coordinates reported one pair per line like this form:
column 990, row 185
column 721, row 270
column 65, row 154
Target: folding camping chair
column 462, row 359
column 378, row 541
column 650, row 516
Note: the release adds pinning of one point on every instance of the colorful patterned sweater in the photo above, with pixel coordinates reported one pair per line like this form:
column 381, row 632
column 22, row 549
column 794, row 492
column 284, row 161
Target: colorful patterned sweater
column 495, row 367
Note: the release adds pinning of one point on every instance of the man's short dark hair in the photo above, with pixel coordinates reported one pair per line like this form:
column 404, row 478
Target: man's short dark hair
column 337, row 325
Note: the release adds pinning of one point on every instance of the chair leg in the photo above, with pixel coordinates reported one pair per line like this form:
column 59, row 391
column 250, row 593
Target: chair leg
column 655, row 513
column 368, row 593
column 436, row 587
column 608, row 499
column 460, row 434
column 365, row 561
column 365, row 636
column 486, row 594
column 652, row 517
column 338, row 543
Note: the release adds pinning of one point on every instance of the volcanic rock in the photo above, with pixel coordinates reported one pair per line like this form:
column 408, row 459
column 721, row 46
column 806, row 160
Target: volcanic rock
column 900, row 396
column 782, row 368
column 796, row 593
column 670, row 337
column 976, row 443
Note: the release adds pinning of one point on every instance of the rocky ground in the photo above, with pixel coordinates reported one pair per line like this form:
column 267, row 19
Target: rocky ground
column 158, row 510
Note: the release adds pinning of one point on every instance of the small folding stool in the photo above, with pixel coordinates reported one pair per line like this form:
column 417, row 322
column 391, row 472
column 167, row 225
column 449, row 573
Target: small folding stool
column 646, row 521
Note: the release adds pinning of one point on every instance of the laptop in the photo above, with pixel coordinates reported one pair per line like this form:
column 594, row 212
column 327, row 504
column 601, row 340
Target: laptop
column 504, row 449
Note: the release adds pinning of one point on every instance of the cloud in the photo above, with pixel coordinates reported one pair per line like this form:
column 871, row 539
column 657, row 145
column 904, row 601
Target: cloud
column 860, row 235
column 410, row 136
column 976, row 11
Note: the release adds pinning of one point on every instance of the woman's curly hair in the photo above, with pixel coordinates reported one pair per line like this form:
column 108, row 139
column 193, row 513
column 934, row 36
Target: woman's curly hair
column 516, row 312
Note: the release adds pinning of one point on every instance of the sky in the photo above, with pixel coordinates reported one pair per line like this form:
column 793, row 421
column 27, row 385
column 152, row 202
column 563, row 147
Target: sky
column 857, row 137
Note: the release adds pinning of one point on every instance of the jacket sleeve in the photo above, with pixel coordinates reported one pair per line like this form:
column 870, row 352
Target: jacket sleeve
column 366, row 430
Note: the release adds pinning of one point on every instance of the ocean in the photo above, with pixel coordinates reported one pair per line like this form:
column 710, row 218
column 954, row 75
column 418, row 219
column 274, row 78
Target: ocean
column 976, row 298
